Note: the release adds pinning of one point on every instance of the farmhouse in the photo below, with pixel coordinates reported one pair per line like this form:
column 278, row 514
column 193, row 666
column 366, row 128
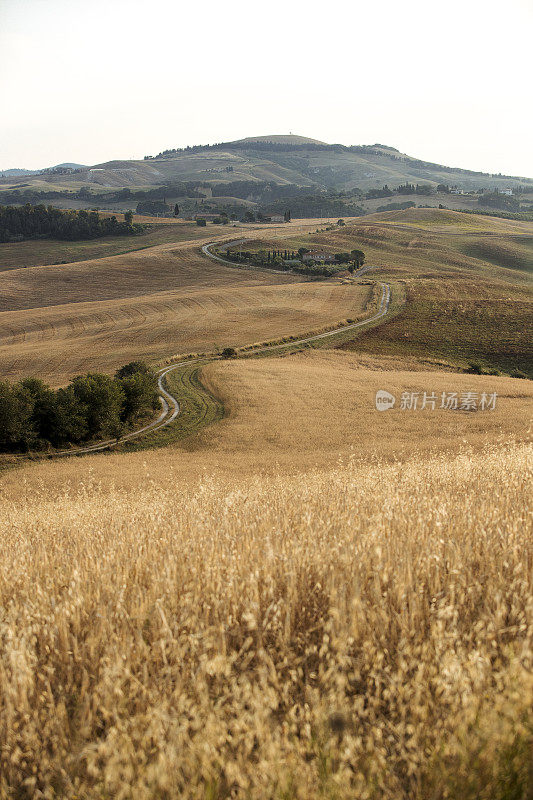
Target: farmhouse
column 208, row 217
column 271, row 218
column 508, row 192
column 318, row 256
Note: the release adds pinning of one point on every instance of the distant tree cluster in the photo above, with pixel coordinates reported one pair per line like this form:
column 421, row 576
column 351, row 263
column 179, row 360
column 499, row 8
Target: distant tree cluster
column 500, row 201
column 92, row 406
column 281, row 147
column 45, row 222
column 396, row 206
column 384, row 192
column 154, row 208
column 125, row 195
column 420, row 188
column 295, row 261
column 316, row 205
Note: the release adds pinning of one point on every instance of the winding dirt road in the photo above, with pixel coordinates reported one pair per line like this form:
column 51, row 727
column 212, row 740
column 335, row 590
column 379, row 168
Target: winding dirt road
column 170, row 407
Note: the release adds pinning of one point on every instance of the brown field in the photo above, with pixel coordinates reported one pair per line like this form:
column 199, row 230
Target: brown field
column 459, row 322
column 57, row 321
column 310, row 599
column 361, row 630
column 468, row 280
column 61, row 341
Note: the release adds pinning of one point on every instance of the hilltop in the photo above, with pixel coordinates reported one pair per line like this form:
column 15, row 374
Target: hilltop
column 276, row 138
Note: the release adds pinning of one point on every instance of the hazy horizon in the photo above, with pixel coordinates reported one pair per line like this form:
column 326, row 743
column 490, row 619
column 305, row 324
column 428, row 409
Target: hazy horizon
column 93, row 83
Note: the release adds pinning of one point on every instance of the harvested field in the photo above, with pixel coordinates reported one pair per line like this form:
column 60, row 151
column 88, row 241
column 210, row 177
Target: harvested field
column 57, row 342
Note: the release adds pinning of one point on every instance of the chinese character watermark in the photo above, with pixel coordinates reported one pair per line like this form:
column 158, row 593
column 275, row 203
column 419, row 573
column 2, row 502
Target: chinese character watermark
column 429, row 401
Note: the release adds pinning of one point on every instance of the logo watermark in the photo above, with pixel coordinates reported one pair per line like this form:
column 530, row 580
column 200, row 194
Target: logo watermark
column 384, row 400
column 429, row 401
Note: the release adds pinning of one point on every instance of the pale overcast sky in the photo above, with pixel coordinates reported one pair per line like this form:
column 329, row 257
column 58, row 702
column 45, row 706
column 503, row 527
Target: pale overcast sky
column 449, row 82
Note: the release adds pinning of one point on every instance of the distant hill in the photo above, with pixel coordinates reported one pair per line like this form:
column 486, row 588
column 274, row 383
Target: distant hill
column 266, row 173
column 69, row 165
column 281, row 159
column 18, row 173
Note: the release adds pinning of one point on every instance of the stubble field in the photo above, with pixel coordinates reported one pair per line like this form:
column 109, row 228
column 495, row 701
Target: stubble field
column 58, row 321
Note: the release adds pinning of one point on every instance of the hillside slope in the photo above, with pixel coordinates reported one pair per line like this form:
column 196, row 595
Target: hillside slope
column 284, row 160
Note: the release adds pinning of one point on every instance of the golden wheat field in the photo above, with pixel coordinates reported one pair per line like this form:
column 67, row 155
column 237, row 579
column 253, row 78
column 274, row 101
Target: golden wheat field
column 360, row 631
column 308, row 600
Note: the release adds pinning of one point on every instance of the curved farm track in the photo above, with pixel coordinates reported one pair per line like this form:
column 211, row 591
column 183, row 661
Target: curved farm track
column 189, row 380
column 201, row 408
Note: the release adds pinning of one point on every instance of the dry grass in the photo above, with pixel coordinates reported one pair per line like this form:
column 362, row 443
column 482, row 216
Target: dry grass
column 360, row 632
column 309, row 410
column 311, row 599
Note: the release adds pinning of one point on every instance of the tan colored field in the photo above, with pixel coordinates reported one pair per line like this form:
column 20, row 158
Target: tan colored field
column 61, row 341
column 310, row 410
column 365, row 631
column 468, row 279
column 309, row 600
column 57, row 321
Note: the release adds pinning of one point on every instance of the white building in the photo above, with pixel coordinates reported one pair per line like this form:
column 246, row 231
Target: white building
column 318, row 255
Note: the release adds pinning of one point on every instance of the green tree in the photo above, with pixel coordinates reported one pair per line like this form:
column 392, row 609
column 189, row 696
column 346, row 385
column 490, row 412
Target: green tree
column 139, row 385
column 342, row 258
column 12, row 420
column 128, row 217
column 133, row 368
column 104, row 399
column 358, row 258
column 176, row 210
column 40, row 402
column 70, row 417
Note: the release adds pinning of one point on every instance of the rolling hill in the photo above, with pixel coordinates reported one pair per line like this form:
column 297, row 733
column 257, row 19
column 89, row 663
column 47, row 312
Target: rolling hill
column 290, row 160
column 334, row 601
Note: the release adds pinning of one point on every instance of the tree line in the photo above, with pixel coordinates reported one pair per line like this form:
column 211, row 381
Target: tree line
column 30, row 195
column 294, row 261
column 94, row 406
column 46, row 222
